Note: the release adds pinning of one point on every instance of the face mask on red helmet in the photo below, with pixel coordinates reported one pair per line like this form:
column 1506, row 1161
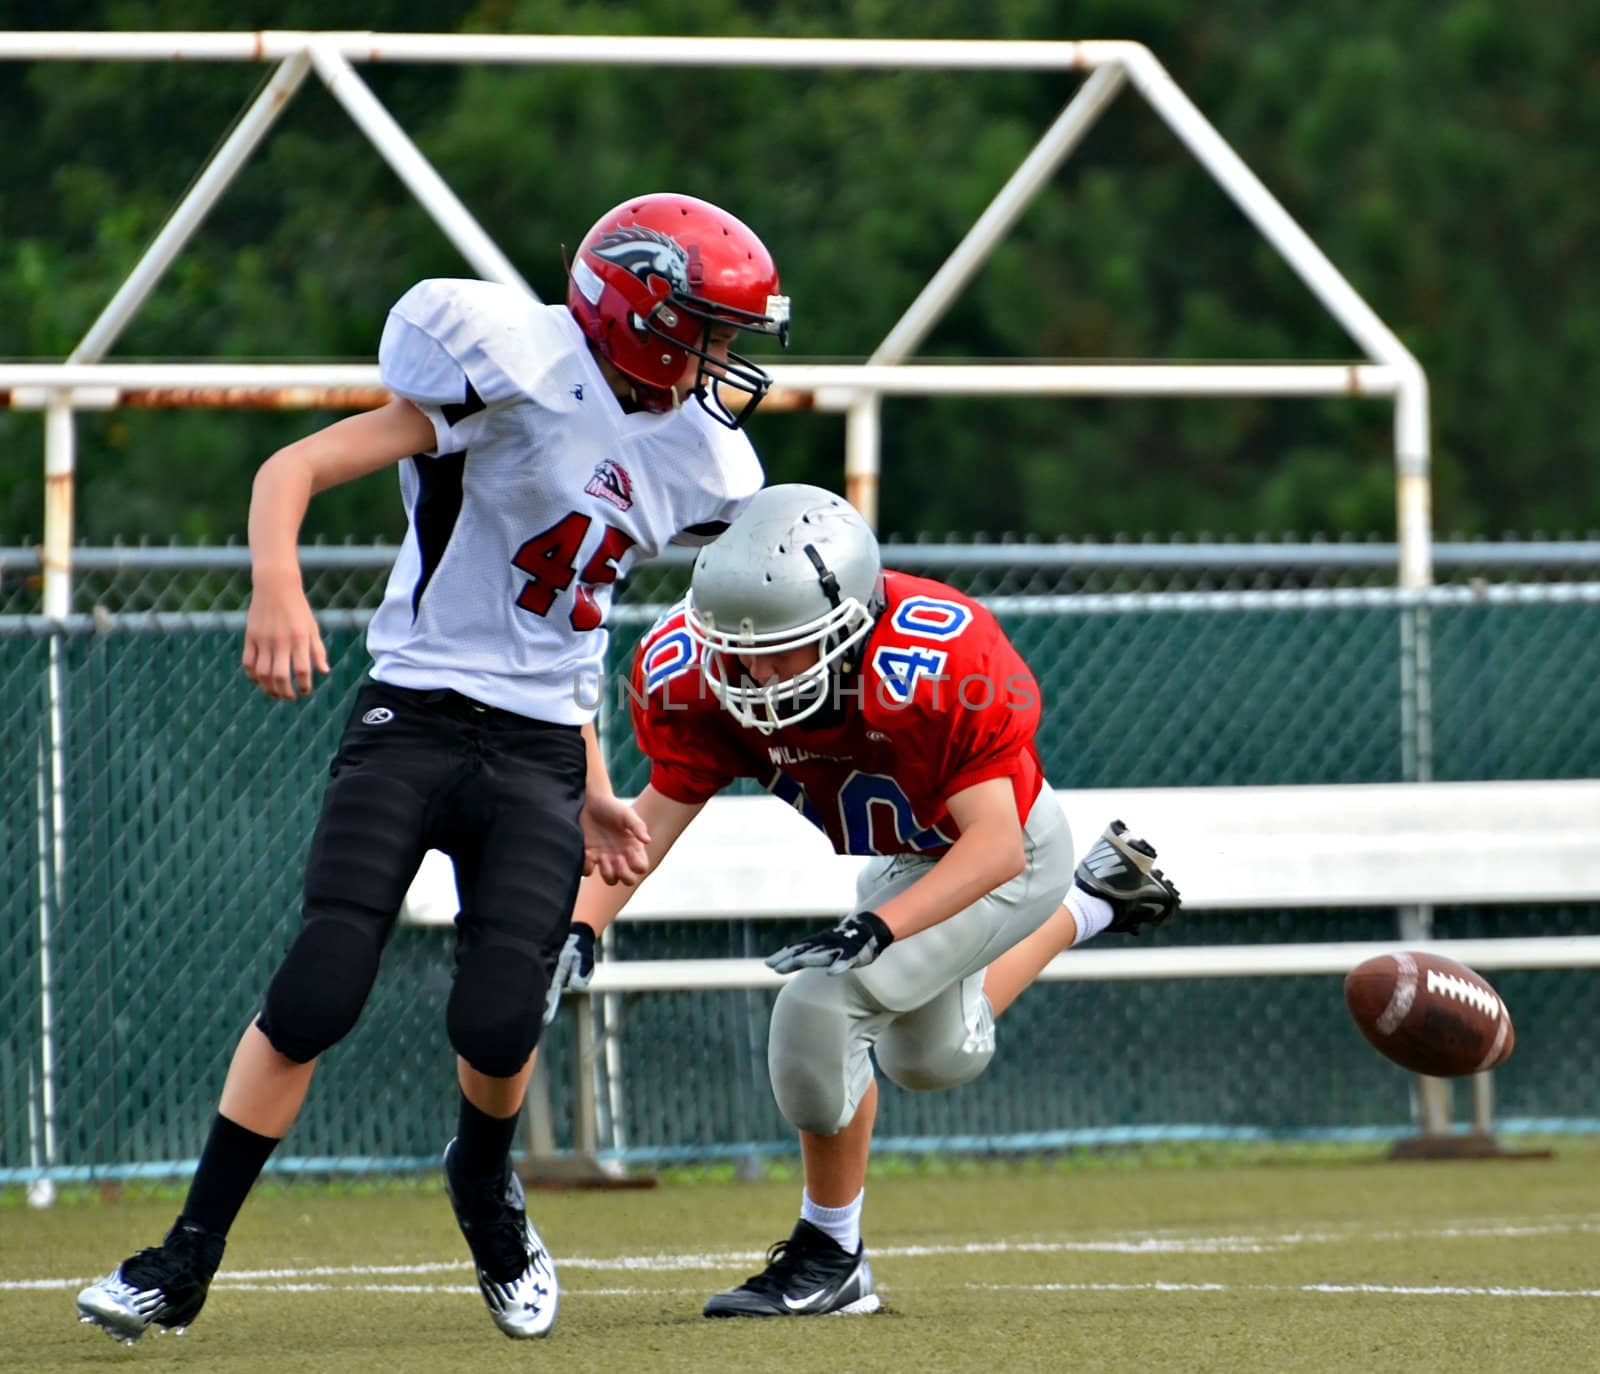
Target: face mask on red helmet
column 651, row 283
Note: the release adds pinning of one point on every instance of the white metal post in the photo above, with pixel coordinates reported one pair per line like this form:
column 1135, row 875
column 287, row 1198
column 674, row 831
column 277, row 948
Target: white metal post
column 193, row 208
column 60, row 459
column 1413, row 485
column 615, row 1131
column 41, row 1076
column 1414, row 535
column 415, row 170
column 1246, row 190
column 1079, row 116
column 861, row 435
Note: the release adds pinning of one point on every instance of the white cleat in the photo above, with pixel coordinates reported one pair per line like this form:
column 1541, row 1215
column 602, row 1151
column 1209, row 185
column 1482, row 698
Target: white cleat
column 525, row 1306
column 163, row 1287
column 516, row 1275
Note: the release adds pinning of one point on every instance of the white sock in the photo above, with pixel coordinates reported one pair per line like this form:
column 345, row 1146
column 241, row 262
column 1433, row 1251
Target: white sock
column 1093, row 914
column 842, row 1223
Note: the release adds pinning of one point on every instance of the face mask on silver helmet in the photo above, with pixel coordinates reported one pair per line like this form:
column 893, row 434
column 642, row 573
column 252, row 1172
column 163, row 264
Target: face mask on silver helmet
column 799, row 567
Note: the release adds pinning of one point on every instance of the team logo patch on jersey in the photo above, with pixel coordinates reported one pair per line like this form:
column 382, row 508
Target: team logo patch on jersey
column 378, row 715
column 612, row 483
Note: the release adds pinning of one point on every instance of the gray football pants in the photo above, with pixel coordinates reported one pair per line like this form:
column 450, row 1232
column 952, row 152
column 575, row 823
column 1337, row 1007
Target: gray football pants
column 921, row 1004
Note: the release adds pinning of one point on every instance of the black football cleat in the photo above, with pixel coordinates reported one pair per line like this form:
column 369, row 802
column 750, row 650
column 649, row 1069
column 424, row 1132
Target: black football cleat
column 163, row 1285
column 808, row 1275
column 516, row 1275
column 1122, row 870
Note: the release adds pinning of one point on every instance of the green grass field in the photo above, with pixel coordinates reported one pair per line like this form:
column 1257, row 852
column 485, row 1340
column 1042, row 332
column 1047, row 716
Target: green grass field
column 1355, row 1265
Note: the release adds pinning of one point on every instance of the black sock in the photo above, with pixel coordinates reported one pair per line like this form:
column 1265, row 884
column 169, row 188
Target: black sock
column 229, row 1166
column 483, row 1144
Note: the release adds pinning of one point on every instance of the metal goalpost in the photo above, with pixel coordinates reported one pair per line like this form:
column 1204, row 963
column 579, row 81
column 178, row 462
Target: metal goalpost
column 84, row 380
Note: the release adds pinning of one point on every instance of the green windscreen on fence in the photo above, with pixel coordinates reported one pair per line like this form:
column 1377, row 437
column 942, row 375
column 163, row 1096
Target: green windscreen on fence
column 152, row 868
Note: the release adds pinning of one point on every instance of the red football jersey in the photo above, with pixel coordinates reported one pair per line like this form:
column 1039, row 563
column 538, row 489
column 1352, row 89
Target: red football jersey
column 941, row 702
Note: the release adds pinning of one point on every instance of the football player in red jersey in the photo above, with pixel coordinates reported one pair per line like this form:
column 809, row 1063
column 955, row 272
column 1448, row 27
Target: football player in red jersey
column 893, row 712
column 542, row 449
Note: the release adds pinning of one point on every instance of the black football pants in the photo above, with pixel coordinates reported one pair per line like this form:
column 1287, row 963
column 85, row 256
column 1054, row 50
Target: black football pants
column 501, row 795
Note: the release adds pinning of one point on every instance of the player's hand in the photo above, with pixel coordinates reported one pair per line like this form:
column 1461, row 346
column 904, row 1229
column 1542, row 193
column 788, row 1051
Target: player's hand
column 614, row 840
column 282, row 644
column 574, row 967
column 854, row 943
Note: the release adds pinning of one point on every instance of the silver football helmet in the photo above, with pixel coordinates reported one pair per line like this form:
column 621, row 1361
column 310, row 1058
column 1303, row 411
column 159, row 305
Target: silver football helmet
column 799, row 567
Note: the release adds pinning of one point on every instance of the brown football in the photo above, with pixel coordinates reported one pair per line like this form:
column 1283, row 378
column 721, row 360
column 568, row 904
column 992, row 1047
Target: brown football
column 1429, row 1014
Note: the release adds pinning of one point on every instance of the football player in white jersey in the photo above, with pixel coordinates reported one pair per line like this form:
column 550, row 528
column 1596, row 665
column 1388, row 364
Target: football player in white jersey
column 542, row 451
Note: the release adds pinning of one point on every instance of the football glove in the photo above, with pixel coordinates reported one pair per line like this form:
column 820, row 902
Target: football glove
column 854, row 943
column 574, row 968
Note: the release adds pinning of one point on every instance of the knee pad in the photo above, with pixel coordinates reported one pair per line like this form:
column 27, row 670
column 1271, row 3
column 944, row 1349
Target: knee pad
column 816, row 1080
column 955, row 1053
column 320, row 987
column 496, row 1008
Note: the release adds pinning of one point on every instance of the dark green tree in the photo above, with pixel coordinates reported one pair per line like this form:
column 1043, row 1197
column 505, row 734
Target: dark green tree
column 1441, row 154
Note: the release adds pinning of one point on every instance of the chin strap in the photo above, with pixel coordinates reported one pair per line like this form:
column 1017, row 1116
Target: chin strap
column 830, row 588
column 648, row 399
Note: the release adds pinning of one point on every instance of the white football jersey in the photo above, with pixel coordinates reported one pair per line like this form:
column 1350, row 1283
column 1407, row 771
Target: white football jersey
column 539, row 492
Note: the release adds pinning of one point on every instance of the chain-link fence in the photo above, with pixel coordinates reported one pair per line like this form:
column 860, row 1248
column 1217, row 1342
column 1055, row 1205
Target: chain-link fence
column 157, row 811
column 143, row 577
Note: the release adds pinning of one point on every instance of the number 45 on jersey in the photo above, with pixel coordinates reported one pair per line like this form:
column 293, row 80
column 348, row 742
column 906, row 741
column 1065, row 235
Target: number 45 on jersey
column 550, row 559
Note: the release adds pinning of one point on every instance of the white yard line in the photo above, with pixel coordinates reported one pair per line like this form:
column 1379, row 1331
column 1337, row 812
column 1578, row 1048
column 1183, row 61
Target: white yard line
column 1155, row 1243
column 464, row 1289
column 1381, row 1289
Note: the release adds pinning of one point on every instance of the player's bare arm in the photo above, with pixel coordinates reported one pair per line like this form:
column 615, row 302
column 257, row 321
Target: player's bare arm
column 989, row 853
column 600, row 902
column 663, row 820
column 282, row 645
column 614, row 836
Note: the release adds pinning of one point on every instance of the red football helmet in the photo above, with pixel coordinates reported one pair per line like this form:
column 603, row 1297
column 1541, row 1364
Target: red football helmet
column 650, row 280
